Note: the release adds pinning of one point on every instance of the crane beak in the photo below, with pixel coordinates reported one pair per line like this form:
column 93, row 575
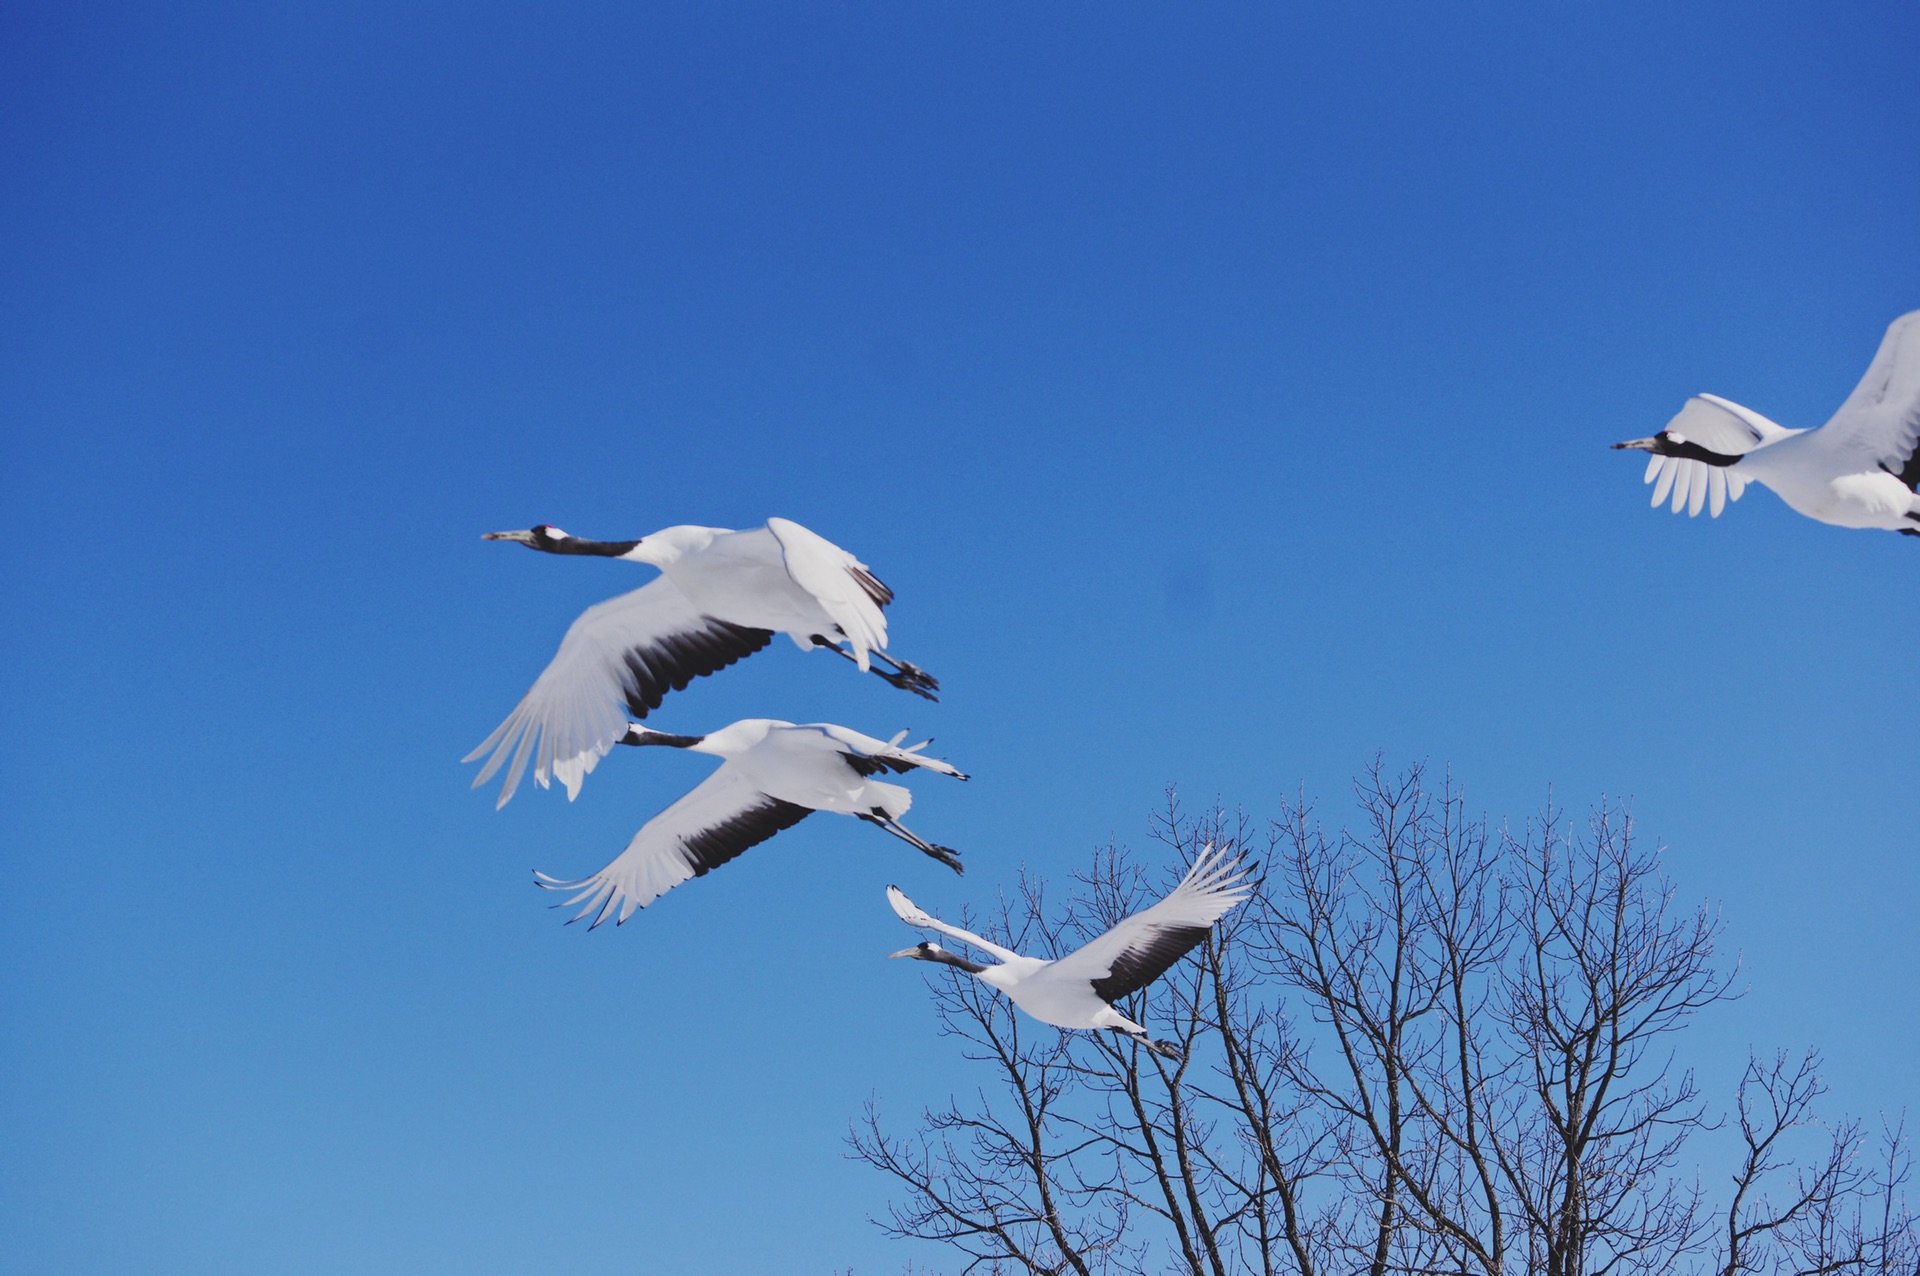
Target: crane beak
column 1638, row 445
column 905, row 952
column 525, row 538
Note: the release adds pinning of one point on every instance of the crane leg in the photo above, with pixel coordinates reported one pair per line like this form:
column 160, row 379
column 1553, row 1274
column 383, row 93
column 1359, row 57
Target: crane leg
column 907, row 677
column 945, row 854
column 1165, row 1049
column 921, row 681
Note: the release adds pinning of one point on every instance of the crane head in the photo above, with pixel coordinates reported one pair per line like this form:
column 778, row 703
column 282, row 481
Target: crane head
column 930, row 951
column 545, row 536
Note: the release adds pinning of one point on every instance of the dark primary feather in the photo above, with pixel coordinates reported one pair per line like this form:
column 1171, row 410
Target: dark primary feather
column 880, row 594
column 677, row 659
column 1910, row 472
column 866, row 766
column 710, row 848
column 1147, row 960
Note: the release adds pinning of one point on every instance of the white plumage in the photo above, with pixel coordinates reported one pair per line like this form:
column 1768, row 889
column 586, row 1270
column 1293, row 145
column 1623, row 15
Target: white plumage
column 775, row 775
column 1860, row 469
column 721, row 595
column 1077, row 991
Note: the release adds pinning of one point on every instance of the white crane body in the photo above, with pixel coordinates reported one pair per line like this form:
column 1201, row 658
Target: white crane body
column 743, row 579
column 1063, row 1003
column 1830, row 480
column 807, row 765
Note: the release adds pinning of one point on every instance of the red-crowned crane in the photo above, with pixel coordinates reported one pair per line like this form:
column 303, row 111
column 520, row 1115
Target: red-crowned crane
column 775, row 775
column 1078, row 990
column 720, row 595
column 1860, row 469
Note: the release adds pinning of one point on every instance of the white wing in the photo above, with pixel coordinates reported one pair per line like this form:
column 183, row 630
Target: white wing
column 1140, row 949
column 620, row 657
column 1881, row 418
column 846, row 590
column 722, row 816
column 1718, row 425
column 905, row 909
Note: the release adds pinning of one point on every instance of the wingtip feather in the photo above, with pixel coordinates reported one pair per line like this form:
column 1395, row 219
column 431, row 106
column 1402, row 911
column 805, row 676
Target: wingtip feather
column 1665, row 485
column 906, row 910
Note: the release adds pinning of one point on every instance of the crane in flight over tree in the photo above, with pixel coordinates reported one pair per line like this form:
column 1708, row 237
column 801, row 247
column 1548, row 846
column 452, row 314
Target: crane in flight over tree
column 1078, row 990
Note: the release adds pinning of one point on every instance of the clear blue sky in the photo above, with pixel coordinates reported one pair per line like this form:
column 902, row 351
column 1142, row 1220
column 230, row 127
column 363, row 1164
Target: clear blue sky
column 1224, row 390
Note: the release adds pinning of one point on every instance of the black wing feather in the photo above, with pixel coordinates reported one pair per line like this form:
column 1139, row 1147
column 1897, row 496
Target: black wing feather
column 710, row 848
column 674, row 661
column 1910, row 472
column 1147, row 961
column 866, row 766
column 875, row 590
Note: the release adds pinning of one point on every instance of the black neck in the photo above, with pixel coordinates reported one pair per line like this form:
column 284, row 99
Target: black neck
column 954, row 959
column 1694, row 452
column 661, row 737
column 574, row 545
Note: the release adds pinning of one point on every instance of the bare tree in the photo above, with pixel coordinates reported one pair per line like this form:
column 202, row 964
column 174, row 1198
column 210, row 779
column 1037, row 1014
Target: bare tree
column 1609, row 969
column 1774, row 1201
column 1387, row 941
column 1833, row 1211
column 1423, row 1046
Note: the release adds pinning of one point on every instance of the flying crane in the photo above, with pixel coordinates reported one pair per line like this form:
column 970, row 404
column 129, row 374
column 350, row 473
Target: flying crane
column 721, row 595
column 1860, row 469
column 775, row 774
column 1078, row 990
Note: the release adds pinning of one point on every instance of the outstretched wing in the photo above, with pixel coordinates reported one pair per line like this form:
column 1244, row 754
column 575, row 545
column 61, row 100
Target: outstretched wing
column 722, row 816
column 847, row 591
column 1881, row 418
column 1141, row 949
column 1718, row 425
column 906, row 910
column 620, row 657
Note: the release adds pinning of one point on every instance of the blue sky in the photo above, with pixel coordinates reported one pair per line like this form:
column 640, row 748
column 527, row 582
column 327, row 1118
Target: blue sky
column 1225, row 392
